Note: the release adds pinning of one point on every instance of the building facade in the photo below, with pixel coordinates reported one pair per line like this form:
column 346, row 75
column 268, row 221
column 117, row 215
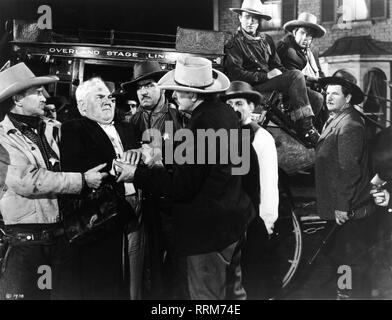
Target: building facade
column 358, row 40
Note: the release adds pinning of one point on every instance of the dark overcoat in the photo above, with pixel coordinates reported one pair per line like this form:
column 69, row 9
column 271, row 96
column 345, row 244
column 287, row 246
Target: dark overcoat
column 211, row 210
column 342, row 165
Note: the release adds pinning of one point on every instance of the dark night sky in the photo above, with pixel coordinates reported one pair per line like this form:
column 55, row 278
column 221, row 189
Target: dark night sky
column 123, row 15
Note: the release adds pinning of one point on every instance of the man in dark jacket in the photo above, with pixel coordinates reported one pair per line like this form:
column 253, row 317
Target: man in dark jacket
column 153, row 113
column 297, row 53
column 251, row 57
column 99, row 138
column 211, row 210
column 342, row 177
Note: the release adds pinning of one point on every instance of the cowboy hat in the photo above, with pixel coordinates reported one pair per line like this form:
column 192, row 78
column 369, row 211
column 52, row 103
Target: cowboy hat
column 18, row 78
column 194, row 74
column 119, row 92
column 345, row 80
column 253, row 7
column 144, row 70
column 241, row 89
column 306, row 20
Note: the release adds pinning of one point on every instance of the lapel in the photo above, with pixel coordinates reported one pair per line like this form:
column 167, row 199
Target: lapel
column 121, row 132
column 331, row 127
column 99, row 138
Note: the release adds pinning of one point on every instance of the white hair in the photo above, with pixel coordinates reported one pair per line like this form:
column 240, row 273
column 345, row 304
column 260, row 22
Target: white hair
column 84, row 88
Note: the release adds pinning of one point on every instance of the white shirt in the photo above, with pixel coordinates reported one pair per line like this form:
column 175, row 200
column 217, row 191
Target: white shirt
column 264, row 145
column 112, row 133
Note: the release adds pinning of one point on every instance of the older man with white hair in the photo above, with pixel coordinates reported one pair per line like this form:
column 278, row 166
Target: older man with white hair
column 98, row 137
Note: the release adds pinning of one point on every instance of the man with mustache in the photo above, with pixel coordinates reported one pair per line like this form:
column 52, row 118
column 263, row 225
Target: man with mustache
column 154, row 110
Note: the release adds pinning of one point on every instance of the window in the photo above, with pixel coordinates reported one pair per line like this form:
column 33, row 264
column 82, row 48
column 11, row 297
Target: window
column 281, row 11
column 375, row 88
column 353, row 10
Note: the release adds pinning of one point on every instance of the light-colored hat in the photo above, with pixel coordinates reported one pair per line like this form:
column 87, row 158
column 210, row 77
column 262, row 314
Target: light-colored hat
column 253, row 7
column 307, row 20
column 194, row 74
column 18, row 78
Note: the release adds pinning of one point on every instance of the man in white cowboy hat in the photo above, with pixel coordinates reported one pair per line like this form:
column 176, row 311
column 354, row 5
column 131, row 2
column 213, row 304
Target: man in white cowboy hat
column 251, row 56
column 153, row 112
column 265, row 195
column 342, row 176
column 31, row 181
column 296, row 52
column 210, row 209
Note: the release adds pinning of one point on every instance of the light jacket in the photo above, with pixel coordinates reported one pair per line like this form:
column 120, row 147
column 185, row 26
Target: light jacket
column 28, row 189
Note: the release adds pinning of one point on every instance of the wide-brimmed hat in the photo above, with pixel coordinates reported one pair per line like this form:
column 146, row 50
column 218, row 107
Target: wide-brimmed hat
column 114, row 92
column 306, row 20
column 253, row 7
column 194, row 74
column 144, row 70
column 348, row 81
column 241, row 89
column 19, row 78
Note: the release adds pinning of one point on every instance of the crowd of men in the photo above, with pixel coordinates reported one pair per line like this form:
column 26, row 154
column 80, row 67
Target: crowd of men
column 121, row 209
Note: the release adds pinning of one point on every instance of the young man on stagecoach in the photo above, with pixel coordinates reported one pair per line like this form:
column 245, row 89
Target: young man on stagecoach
column 297, row 52
column 251, row 56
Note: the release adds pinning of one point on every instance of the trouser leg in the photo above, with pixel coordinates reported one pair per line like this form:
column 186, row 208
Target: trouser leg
column 212, row 276
column 293, row 84
column 20, row 279
column 136, row 250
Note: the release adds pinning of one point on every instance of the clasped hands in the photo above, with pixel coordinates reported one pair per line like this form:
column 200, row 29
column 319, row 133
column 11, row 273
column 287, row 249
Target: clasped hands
column 126, row 167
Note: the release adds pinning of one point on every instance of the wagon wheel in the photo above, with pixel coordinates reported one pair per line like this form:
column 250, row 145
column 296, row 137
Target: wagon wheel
column 287, row 246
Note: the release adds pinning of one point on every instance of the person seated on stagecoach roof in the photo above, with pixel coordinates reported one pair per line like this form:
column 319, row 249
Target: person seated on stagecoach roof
column 296, row 52
column 342, row 176
column 100, row 137
column 265, row 196
column 251, row 56
column 31, row 182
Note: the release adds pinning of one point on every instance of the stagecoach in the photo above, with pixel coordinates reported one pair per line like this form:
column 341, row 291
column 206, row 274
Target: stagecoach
column 76, row 56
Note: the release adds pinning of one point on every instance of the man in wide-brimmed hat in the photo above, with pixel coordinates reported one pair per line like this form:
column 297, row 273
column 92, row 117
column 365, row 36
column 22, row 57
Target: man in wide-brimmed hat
column 342, row 176
column 297, row 53
column 251, row 56
column 153, row 112
column 243, row 99
column 210, row 209
column 31, row 181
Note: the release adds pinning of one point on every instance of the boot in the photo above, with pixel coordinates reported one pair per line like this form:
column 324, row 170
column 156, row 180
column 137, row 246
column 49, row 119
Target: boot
column 306, row 128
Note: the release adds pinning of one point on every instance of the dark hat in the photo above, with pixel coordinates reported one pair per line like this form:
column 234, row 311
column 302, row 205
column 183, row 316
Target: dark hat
column 241, row 89
column 345, row 80
column 113, row 91
column 144, row 70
